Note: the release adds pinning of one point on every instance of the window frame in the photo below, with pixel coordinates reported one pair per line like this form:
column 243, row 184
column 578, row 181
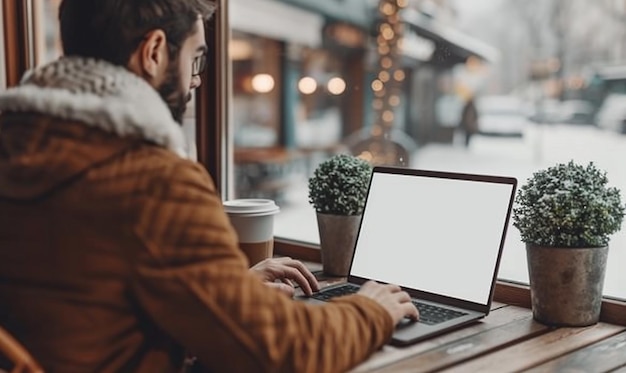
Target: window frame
column 213, row 139
column 16, row 39
column 3, row 83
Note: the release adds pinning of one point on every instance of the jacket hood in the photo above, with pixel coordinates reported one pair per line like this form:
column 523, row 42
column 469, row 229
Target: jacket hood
column 72, row 114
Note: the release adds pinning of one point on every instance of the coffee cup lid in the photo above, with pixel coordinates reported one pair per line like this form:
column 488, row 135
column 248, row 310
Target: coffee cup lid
column 251, row 207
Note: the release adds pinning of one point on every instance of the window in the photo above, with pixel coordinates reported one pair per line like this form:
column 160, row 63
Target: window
column 47, row 39
column 3, row 72
column 306, row 79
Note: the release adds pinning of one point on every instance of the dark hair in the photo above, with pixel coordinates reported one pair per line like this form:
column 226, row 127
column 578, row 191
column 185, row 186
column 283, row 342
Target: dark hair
column 111, row 30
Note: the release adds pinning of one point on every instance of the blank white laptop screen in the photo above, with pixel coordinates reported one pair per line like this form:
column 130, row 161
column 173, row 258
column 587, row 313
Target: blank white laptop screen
column 432, row 234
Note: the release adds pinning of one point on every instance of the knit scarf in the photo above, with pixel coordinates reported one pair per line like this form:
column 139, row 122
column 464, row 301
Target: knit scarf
column 98, row 94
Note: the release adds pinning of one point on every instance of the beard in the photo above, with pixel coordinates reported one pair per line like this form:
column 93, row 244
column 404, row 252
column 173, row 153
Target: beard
column 172, row 93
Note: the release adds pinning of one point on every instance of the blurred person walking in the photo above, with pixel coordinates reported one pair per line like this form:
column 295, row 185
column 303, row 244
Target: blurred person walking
column 469, row 120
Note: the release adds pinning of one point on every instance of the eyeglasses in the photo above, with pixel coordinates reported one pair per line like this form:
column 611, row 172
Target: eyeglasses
column 198, row 65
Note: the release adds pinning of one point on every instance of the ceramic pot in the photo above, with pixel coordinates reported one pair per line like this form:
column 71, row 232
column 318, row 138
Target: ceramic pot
column 566, row 284
column 337, row 238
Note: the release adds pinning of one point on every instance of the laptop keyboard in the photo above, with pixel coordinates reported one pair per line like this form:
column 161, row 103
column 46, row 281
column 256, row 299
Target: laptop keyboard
column 429, row 314
column 327, row 295
column 432, row 315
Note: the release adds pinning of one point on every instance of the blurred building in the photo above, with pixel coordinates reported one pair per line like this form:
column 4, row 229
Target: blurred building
column 302, row 76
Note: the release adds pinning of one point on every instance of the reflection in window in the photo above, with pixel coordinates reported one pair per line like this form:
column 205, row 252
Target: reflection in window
column 541, row 90
column 47, row 38
column 256, row 90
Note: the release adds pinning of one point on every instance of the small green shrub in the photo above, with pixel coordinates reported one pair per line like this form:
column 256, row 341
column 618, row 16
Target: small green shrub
column 568, row 205
column 339, row 185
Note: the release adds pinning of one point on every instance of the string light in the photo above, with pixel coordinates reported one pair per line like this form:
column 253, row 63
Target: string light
column 386, row 63
column 388, row 116
column 307, row 85
column 386, row 86
column 377, row 85
column 263, row 83
column 399, row 75
column 387, row 9
column 336, row 86
column 388, row 40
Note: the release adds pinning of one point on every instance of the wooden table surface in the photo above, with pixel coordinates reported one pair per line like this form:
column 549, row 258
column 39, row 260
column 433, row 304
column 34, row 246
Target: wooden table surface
column 507, row 340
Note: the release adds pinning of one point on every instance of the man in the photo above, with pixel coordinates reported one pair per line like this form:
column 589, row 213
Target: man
column 469, row 120
column 115, row 252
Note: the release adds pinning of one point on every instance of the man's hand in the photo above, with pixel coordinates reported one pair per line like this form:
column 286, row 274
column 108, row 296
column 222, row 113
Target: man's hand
column 286, row 270
column 392, row 298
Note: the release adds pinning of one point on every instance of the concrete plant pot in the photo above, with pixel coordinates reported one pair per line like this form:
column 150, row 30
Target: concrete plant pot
column 566, row 284
column 337, row 237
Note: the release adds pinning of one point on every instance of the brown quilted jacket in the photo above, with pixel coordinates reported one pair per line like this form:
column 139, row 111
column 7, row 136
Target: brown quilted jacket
column 116, row 256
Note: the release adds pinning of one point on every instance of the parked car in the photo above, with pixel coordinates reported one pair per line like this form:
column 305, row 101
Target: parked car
column 576, row 112
column 546, row 111
column 501, row 116
column 612, row 113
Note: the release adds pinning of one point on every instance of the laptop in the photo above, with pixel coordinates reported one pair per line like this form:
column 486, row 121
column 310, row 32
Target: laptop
column 439, row 235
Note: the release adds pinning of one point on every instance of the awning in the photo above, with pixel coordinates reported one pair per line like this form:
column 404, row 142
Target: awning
column 301, row 22
column 277, row 21
column 612, row 72
column 355, row 12
column 449, row 46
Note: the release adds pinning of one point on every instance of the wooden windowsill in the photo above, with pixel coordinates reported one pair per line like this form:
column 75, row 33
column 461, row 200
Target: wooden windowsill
column 613, row 311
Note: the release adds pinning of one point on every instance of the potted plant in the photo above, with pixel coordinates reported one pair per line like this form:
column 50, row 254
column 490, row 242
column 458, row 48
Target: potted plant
column 565, row 215
column 337, row 191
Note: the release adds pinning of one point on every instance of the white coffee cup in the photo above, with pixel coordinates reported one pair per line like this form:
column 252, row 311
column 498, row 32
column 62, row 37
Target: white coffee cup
column 253, row 220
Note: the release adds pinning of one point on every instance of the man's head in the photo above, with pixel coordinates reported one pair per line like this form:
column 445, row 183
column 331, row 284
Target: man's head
column 160, row 40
